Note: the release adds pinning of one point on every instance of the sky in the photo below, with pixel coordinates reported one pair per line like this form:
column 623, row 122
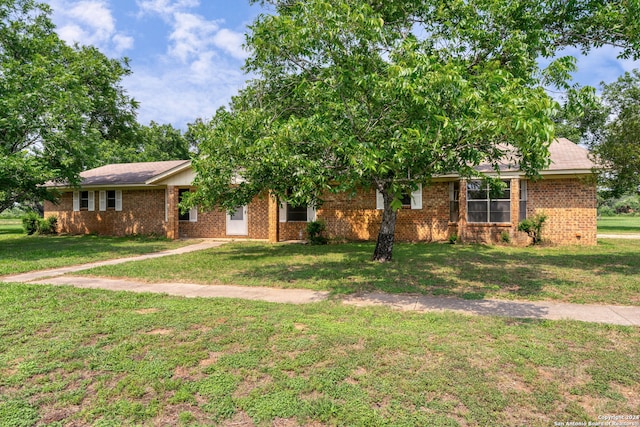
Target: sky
column 187, row 55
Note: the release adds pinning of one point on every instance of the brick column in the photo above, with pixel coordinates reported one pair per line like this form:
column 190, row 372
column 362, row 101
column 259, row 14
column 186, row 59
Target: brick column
column 172, row 213
column 462, row 210
column 274, row 220
column 515, row 204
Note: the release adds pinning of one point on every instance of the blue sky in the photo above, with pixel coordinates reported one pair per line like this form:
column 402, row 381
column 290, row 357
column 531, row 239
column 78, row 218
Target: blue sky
column 186, row 55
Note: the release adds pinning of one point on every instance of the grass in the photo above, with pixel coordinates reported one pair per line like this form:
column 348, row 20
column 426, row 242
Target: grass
column 619, row 224
column 608, row 273
column 87, row 357
column 20, row 253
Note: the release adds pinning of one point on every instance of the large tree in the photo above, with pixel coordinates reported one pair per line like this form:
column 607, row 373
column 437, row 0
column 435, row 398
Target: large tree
column 618, row 148
column 145, row 143
column 57, row 103
column 387, row 94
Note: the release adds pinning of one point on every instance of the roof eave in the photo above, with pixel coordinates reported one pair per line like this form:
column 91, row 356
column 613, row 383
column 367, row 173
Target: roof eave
column 166, row 174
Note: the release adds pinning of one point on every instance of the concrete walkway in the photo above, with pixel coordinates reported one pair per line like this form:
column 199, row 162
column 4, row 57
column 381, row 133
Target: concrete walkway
column 618, row 236
column 617, row 315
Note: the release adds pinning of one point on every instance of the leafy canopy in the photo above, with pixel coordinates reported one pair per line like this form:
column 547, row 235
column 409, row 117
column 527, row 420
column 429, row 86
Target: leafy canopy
column 618, row 149
column 57, row 103
column 387, row 94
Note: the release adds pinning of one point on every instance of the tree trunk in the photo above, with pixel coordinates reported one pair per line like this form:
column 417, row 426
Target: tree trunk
column 386, row 236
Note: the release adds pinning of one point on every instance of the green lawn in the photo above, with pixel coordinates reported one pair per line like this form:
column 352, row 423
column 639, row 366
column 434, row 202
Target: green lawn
column 85, row 357
column 20, row 253
column 607, row 273
column 619, row 224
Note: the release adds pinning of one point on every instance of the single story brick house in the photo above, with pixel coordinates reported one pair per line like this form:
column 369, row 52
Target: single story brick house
column 142, row 198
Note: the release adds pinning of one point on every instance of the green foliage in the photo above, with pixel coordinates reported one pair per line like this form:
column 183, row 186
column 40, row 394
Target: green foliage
column 627, row 204
column 610, row 126
column 505, row 237
column 351, row 95
column 48, row 225
column 30, row 223
column 152, row 143
column 314, row 232
column 533, row 227
column 14, row 212
column 34, row 224
column 453, row 238
column 57, row 103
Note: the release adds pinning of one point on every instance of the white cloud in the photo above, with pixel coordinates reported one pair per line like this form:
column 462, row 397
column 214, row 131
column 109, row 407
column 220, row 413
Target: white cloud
column 231, row 42
column 165, row 8
column 90, row 23
column 600, row 65
column 178, row 94
column 192, row 35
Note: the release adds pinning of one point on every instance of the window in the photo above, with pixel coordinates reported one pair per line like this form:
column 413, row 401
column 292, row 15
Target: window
column 406, row 201
column 302, row 213
column 409, row 201
column 84, row 200
column 523, row 200
column 192, row 214
column 485, row 204
column 111, row 199
column 297, row 213
column 454, row 204
column 183, row 216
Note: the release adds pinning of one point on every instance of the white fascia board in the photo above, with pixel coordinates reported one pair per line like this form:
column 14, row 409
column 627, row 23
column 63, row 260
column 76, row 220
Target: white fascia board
column 170, row 172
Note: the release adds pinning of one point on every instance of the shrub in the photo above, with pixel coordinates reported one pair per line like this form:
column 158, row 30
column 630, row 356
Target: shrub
column 314, row 231
column 505, row 237
column 606, row 211
column 533, row 227
column 33, row 224
column 48, row 225
column 30, row 223
column 453, row 239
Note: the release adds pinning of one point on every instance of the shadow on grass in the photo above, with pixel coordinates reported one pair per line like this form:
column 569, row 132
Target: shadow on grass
column 466, row 271
column 18, row 254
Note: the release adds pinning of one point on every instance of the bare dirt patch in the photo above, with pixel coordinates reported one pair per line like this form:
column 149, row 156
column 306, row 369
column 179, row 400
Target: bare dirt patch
column 250, row 384
column 160, row 332
column 147, row 310
column 240, row 419
column 51, row 414
column 212, row 359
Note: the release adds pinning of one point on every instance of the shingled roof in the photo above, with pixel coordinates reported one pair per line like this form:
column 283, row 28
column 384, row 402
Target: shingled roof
column 128, row 173
column 565, row 157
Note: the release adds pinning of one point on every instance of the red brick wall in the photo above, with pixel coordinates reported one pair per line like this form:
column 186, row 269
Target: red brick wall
column 142, row 213
column 570, row 206
column 356, row 218
column 213, row 224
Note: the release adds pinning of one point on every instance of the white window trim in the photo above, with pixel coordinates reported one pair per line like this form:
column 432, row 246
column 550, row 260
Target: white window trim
column 416, row 199
column 102, row 201
column 118, row 200
column 76, row 201
column 489, row 200
column 193, row 214
column 92, row 201
column 282, row 213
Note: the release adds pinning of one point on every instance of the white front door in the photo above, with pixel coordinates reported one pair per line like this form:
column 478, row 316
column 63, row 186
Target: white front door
column 237, row 224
